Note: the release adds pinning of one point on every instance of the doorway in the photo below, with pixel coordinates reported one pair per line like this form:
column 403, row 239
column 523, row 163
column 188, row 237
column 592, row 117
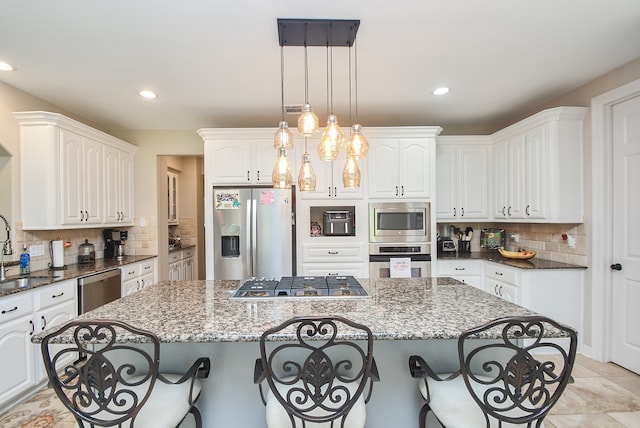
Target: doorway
column 615, row 278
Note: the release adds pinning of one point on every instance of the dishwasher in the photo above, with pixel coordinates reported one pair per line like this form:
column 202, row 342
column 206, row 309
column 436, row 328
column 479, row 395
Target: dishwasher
column 97, row 290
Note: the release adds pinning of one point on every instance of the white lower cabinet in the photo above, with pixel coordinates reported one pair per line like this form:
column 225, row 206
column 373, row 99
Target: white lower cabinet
column 556, row 293
column 334, row 258
column 136, row 276
column 181, row 265
column 467, row 271
column 21, row 316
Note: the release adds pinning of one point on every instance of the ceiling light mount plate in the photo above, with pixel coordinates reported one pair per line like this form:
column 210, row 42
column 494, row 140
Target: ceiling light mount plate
column 317, row 32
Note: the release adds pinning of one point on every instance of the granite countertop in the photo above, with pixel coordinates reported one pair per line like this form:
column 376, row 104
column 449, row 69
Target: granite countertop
column 180, row 248
column 496, row 257
column 397, row 309
column 75, row 271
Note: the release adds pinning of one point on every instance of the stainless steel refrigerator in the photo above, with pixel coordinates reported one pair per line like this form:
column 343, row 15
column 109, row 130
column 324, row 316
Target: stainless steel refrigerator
column 253, row 232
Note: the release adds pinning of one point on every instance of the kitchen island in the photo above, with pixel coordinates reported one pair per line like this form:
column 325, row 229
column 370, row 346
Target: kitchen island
column 407, row 316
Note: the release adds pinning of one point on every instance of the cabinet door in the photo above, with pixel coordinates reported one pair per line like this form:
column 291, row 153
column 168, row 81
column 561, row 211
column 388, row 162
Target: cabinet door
column 473, row 184
column 187, row 269
column 446, row 182
column 516, row 178
column 71, row 167
column 126, row 188
column 537, row 173
column 130, row 287
column 15, row 340
column 93, row 175
column 111, row 185
column 49, row 318
column 146, row 280
column 172, row 197
column 500, row 180
column 264, row 159
column 382, row 163
column 175, row 271
column 232, row 163
column 414, row 169
column 337, row 167
column 318, row 269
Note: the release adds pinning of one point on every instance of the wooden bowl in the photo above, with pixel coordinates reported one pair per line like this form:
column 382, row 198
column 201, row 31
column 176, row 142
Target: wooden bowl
column 518, row 255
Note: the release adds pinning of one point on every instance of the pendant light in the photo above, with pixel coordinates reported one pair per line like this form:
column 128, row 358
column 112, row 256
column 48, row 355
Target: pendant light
column 351, row 173
column 307, row 121
column 281, row 175
column 282, row 137
column 357, row 145
column 332, row 139
column 307, row 176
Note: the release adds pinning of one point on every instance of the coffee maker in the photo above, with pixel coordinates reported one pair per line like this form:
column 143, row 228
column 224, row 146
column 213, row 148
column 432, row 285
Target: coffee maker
column 114, row 243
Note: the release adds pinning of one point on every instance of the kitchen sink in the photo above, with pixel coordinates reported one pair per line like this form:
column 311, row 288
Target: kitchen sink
column 25, row 282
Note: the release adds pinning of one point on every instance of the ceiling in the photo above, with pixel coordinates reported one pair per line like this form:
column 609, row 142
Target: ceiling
column 217, row 63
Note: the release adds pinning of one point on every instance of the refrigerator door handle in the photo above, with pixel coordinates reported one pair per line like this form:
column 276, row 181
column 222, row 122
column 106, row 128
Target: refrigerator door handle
column 254, row 239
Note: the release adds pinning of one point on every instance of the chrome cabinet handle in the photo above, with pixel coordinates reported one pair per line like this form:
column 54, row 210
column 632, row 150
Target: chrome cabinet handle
column 335, row 192
column 454, row 211
column 33, row 328
column 500, row 291
column 329, row 191
column 258, row 175
column 332, row 252
column 462, row 212
column 396, row 190
column 248, row 178
column 44, row 322
column 459, row 268
column 509, row 210
column 495, row 289
column 526, row 210
column 402, row 187
column 503, row 211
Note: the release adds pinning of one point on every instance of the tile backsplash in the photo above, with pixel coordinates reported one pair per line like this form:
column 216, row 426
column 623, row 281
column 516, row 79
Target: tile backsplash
column 548, row 240
column 142, row 240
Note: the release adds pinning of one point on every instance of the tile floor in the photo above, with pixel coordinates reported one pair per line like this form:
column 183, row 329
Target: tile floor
column 603, row 395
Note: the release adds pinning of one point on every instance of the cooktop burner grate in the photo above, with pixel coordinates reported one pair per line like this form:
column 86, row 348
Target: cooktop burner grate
column 300, row 286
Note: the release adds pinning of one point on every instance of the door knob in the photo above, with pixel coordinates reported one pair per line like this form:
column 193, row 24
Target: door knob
column 616, row 266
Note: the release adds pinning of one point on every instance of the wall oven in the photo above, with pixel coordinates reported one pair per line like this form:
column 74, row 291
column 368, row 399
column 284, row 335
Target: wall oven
column 399, row 222
column 382, row 256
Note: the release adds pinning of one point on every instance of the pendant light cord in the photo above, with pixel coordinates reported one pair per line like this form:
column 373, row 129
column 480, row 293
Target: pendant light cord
column 306, row 75
column 355, row 69
column 282, row 79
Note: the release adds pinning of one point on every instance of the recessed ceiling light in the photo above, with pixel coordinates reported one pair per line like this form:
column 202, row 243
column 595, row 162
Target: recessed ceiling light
column 5, row 67
column 440, row 91
column 148, row 94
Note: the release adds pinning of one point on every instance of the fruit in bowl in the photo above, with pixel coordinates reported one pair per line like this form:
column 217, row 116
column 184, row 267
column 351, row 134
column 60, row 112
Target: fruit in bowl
column 521, row 255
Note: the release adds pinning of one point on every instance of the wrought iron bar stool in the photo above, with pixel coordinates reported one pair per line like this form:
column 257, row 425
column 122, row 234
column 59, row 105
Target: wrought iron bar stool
column 321, row 379
column 513, row 381
column 104, row 381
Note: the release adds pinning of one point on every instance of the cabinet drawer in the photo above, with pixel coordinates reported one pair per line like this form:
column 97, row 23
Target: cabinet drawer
column 459, row 267
column 332, row 252
column 57, row 293
column 14, row 307
column 187, row 253
column 344, row 269
column 129, row 271
column 175, row 256
column 501, row 273
column 146, row 267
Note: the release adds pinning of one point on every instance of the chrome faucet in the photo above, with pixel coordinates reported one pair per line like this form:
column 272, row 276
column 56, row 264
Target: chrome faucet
column 6, row 248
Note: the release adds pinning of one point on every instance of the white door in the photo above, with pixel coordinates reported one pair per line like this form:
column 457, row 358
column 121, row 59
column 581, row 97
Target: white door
column 625, row 335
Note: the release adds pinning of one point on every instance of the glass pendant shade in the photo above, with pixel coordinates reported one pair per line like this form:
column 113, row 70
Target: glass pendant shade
column 308, row 124
column 307, row 176
column 283, row 137
column 351, row 173
column 282, row 177
column 332, row 140
column 357, row 145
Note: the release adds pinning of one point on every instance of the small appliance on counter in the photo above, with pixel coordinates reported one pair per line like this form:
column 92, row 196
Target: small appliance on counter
column 86, row 253
column 114, row 243
column 338, row 223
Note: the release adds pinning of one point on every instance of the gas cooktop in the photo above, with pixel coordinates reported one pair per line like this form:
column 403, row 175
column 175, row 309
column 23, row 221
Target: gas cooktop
column 300, row 286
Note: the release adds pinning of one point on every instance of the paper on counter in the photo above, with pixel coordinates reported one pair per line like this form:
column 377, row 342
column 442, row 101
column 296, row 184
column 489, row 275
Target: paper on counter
column 400, row 267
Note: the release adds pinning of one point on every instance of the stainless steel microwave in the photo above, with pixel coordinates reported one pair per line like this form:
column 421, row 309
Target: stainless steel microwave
column 399, row 222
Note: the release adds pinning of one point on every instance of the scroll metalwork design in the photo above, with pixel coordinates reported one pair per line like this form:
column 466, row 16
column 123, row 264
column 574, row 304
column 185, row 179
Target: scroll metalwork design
column 513, row 386
column 92, row 386
column 318, row 377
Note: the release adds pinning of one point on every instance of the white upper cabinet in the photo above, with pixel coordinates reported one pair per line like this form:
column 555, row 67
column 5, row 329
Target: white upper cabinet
column 118, row 187
column 329, row 184
column 538, row 166
column 71, row 175
column 462, row 178
column 241, row 156
column 401, row 162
